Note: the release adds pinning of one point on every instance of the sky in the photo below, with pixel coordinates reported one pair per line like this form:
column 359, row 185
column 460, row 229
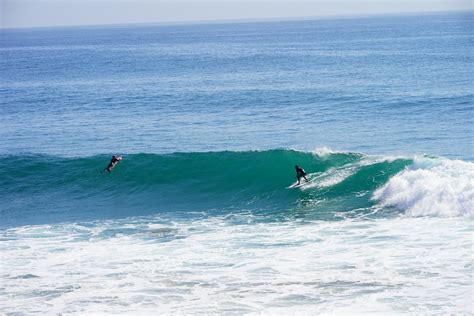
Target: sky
column 36, row 13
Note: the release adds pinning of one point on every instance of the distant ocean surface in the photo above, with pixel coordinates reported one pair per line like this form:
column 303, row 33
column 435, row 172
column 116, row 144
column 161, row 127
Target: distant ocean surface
column 211, row 119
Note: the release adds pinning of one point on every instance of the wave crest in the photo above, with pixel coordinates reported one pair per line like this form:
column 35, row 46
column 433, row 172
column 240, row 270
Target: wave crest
column 432, row 187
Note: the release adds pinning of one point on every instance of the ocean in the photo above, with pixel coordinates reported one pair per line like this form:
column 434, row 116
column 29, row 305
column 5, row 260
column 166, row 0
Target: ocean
column 211, row 119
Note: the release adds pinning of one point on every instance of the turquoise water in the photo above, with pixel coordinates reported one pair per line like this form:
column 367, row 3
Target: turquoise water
column 211, row 119
column 183, row 184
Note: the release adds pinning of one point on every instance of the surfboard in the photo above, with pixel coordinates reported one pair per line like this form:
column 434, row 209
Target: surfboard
column 296, row 185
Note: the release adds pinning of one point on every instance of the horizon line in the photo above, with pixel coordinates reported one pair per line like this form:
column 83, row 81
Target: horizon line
column 247, row 20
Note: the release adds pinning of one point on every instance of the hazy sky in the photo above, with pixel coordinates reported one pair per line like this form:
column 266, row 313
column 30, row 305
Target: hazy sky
column 30, row 13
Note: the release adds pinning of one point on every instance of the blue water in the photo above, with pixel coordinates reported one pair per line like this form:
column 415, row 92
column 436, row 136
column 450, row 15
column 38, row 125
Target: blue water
column 211, row 119
column 374, row 85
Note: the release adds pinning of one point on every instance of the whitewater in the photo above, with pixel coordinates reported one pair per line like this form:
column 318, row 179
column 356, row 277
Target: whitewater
column 217, row 266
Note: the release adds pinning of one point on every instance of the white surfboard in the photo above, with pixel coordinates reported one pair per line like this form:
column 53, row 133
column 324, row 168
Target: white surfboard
column 296, row 185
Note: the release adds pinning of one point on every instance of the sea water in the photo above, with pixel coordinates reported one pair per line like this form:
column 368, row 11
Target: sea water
column 211, row 119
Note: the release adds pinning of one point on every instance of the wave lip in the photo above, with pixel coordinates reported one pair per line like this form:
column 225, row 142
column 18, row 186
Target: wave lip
column 431, row 187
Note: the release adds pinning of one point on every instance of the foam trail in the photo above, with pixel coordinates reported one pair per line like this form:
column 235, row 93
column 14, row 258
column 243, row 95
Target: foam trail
column 329, row 178
column 432, row 188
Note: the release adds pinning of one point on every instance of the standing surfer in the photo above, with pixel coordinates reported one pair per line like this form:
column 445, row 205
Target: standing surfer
column 300, row 173
column 113, row 162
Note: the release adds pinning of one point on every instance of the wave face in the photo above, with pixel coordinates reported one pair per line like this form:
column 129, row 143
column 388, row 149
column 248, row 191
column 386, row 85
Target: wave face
column 39, row 189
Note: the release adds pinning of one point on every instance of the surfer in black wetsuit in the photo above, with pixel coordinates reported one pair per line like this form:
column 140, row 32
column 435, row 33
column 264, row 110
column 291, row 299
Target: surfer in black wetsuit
column 113, row 162
column 300, row 173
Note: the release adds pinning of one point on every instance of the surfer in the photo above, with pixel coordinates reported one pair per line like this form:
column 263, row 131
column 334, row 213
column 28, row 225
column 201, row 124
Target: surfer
column 300, row 173
column 113, row 162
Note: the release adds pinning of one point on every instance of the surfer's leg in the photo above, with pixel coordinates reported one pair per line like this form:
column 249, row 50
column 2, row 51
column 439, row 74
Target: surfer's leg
column 111, row 167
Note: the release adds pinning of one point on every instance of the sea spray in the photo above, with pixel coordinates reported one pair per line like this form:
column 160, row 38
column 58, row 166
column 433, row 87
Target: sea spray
column 436, row 187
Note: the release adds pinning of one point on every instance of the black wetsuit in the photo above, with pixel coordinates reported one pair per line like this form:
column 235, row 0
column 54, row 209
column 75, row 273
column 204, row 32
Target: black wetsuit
column 300, row 173
column 112, row 164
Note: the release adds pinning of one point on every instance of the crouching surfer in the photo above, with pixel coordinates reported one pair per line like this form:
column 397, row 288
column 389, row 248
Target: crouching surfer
column 113, row 162
column 300, row 173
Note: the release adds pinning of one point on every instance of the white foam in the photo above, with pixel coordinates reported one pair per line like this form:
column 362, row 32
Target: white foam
column 214, row 267
column 432, row 187
column 323, row 151
column 329, row 178
column 337, row 175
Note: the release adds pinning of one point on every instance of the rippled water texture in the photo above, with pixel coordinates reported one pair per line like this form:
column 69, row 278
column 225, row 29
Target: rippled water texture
column 377, row 85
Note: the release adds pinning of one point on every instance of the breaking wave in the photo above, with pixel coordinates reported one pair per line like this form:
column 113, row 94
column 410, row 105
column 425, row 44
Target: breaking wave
column 36, row 188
